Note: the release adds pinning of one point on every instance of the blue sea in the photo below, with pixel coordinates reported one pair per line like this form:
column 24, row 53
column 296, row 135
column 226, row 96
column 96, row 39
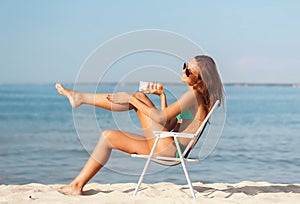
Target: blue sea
column 43, row 140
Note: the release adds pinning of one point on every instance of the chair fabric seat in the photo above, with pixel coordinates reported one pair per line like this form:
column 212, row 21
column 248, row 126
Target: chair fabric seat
column 167, row 161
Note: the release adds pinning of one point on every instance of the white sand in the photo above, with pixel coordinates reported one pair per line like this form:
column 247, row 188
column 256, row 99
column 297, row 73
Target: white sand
column 244, row 192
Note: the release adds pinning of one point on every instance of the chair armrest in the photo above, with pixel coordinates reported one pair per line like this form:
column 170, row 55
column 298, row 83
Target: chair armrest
column 161, row 158
column 163, row 134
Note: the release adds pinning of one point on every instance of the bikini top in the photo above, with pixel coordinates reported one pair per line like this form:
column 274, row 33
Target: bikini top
column 185, row 115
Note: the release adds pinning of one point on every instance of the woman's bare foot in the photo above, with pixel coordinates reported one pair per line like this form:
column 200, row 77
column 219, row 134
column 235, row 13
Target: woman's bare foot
column 69, row 190
column 73, row 96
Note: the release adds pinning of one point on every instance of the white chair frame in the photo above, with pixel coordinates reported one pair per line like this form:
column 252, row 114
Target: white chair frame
column 183, row 156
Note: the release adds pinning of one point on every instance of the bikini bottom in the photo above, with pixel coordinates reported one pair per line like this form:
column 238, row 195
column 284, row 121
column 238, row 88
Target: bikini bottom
column 182, row 148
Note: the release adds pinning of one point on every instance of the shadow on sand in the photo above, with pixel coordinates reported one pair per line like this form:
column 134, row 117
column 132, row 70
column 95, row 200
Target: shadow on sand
column 250, row 190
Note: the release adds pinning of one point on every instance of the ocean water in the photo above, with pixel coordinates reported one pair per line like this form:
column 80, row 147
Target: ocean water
column 43, row 140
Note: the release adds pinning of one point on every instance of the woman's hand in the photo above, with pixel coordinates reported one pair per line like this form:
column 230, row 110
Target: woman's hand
column 153, row 88
column 120, row 97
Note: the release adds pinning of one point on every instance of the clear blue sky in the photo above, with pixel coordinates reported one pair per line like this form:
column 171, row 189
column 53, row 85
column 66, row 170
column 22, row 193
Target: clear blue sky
column 44, row 41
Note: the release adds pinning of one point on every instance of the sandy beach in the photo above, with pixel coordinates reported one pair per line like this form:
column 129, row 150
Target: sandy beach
column 244, row 192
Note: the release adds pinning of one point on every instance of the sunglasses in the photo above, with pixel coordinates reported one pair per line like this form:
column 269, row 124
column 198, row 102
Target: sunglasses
column 187, row 71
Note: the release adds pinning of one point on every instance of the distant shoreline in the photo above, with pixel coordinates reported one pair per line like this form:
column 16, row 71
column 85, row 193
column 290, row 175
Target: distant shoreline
column 294, row 85
column 232, row 84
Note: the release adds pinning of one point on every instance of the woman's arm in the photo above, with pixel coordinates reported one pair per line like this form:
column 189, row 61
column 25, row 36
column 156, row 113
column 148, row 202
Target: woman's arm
column 163, row 101
column 170, row 124
column 155, row 114
column 168, row 113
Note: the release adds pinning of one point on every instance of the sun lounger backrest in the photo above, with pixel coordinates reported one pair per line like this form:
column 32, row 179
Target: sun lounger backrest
column 200, row 130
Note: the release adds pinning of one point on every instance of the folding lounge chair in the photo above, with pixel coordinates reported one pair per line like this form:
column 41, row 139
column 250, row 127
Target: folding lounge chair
column 183, row 156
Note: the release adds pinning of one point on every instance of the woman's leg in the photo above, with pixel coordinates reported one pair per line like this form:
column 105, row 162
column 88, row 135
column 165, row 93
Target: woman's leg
column 130, row 143
column 109, row 139
column 99, row 100
column 165, row 146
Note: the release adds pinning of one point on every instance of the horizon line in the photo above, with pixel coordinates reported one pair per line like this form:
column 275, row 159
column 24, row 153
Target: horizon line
column 237, row 84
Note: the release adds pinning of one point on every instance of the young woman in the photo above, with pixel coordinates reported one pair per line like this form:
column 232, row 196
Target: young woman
column 184, row 115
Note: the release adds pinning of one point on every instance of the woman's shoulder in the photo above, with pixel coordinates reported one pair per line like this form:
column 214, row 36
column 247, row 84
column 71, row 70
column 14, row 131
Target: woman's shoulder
column 189, row 94
column 192, row 97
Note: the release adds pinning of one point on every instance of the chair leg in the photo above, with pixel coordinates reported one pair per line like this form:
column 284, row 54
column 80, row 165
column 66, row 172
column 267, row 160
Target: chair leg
column 188, row 179
column 146, row 166
column 184, row 168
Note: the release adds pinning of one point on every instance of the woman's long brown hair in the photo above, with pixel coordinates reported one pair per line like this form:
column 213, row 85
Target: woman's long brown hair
column 209, row 82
